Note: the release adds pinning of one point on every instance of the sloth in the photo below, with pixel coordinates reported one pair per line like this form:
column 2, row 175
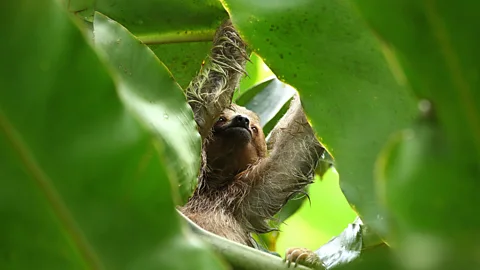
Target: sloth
column 244, row 179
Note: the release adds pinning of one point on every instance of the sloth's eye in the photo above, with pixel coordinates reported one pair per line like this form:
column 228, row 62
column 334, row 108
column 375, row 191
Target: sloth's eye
column 221, row 119
column 255, row 129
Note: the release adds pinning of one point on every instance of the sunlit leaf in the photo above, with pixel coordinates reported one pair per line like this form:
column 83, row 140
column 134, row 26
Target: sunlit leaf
column 347, row 247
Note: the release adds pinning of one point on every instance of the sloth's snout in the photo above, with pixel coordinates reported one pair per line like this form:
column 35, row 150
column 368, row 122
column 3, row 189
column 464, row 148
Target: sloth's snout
column 240, row 121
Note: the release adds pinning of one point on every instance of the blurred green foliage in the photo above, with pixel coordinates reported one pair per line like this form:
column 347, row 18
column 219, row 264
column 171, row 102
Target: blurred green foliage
column 436, row 160
column 84, row 183
column 148, row 89
column 97, row 141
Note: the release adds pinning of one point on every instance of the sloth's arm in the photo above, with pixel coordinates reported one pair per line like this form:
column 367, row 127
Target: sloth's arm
column 212, row 90
column 290, row 166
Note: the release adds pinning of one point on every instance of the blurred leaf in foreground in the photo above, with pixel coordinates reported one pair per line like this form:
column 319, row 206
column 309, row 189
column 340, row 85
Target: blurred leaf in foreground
column 146, row 86
column 428, row 174
column 432, row 227
column 83, row 185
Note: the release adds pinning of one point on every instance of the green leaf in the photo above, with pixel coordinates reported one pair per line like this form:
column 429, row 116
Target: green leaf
column 251, row 92
column 271, row 124
column 184, row 60
column 82, row 8
column 435, row 219
column 257, row 72
column 83, row 184
column 147, row 87
column 180, row 32
column 347, row 247
column 156, row 21
column 342, row 249
column 379, row 257
column 435, row 162
column 325, row 51
column 267, row 99
column 437, row 52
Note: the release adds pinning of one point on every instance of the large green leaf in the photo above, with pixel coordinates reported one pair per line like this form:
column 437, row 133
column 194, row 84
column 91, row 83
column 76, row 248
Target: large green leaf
column 435, row 219
column 82, row 185
column 180, row 32
column 323, row 49
column 435, row 162
column 436, row 47
column 149, row 89
column 184, row 60
column 155, row 20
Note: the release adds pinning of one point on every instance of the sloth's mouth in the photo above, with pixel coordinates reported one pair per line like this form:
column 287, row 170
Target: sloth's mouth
column 238, row 129
column 238, row 134
column 242, row 133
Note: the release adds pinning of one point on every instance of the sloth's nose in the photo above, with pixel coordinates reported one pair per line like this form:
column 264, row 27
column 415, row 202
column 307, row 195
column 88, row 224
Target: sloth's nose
column 241, row 121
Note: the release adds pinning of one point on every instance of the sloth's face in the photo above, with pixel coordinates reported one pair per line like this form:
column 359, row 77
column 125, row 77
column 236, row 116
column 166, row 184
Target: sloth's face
column 238, row 140
column 240, row 125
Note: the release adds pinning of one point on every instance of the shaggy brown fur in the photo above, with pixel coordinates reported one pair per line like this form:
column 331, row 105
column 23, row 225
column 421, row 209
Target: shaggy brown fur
column 243, row 183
